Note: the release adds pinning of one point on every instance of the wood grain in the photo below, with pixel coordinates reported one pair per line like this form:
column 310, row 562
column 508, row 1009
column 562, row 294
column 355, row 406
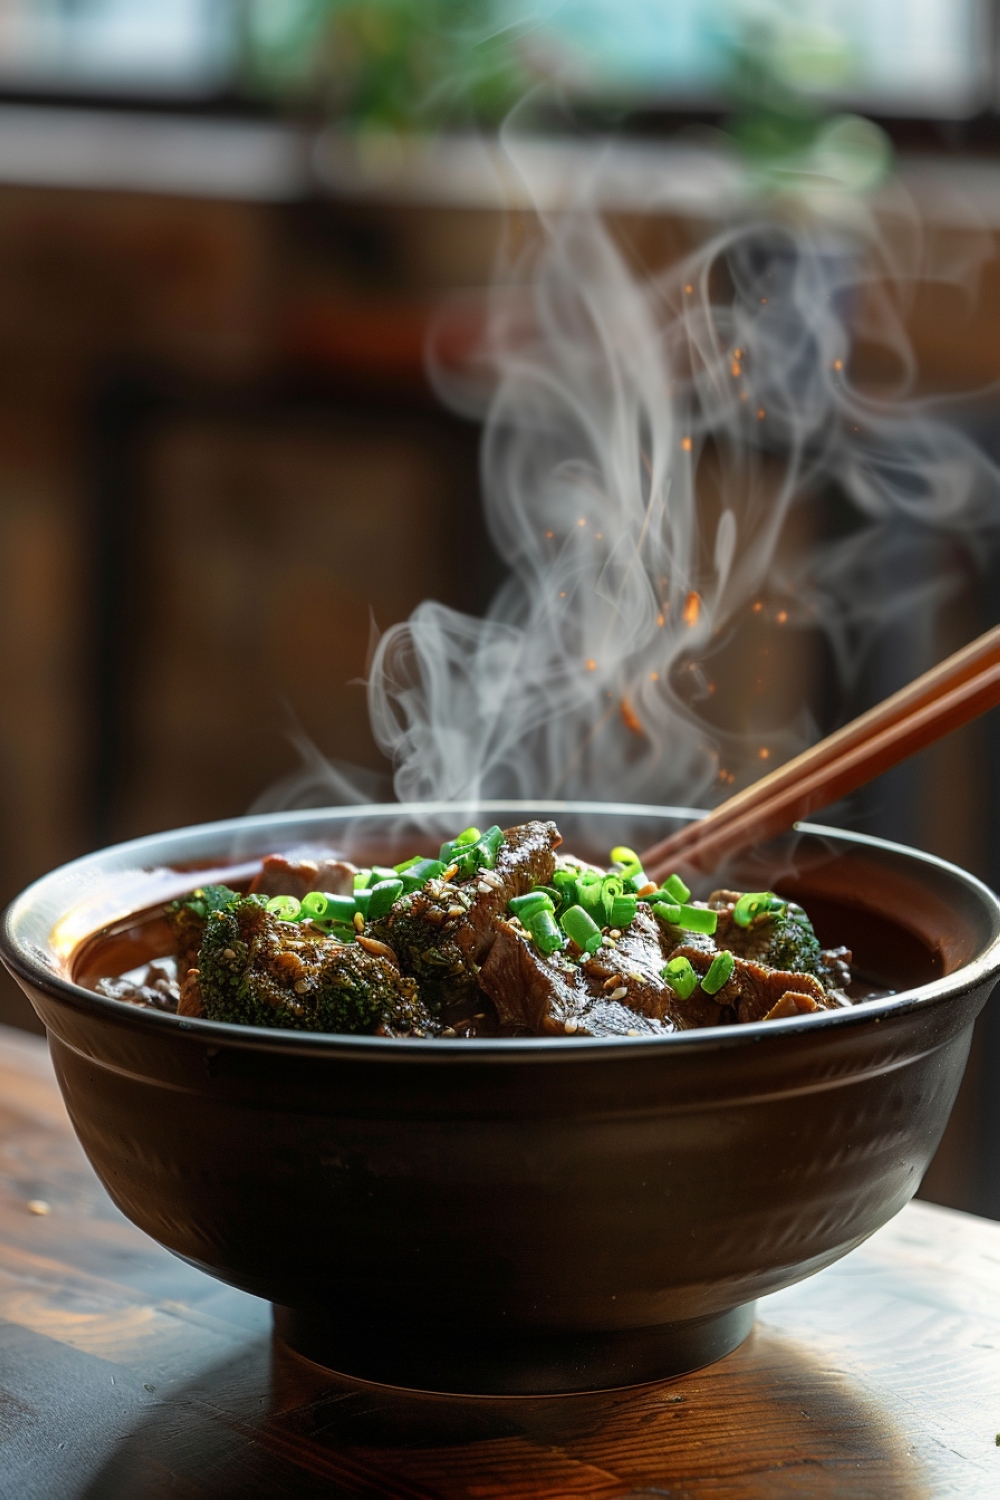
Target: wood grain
column 124, row 1372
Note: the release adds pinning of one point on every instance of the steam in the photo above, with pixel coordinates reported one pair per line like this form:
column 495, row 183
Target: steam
column 649, row 438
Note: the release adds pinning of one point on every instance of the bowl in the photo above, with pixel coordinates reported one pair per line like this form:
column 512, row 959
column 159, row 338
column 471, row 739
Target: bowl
column 517, row 1215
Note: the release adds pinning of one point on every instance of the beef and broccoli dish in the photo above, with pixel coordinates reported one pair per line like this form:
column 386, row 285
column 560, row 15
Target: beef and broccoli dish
column 502, row 934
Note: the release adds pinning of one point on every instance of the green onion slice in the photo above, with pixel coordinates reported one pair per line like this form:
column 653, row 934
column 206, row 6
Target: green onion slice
column 631, row 864
column 524, row 906
column 544, row 932
column 676, row 889
column 623, row 910
column 581, row 927
column 419, row 874
column 362, row 879
column 667, row 911
column 754, row 904
column 362, row 902
column 285, row 908
column 407, row 864
column 451, row 846
column 318, row 906
column 698, row 919
column 719, row 970
column 381, row 897
column 553, row 894
column 681, row 977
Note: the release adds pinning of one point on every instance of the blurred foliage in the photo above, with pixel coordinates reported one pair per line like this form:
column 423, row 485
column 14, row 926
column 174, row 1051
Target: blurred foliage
column 780, row 75
column 397, row 64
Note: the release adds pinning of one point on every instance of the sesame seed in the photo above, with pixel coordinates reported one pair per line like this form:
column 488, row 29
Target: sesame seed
column 38, row 1206
column 608, row 942
column 449, row 1031
column 619, row 993
column 456, row 911
column 483, row 888
column 228, row 953
column 615, row 932
column 569, row 1026
column 631, row 1032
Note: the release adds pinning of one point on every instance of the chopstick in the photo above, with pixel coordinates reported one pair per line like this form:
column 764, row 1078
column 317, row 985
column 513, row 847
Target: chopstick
column 949, row 695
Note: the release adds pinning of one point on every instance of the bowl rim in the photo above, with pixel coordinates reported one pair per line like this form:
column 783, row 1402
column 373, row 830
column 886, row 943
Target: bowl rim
column 25, row 961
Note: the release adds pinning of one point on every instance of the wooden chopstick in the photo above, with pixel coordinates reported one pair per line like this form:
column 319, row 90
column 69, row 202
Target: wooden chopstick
column 957, row 690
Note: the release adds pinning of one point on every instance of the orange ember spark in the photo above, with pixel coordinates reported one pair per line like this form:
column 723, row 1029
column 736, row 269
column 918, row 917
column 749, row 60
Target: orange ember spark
column 550, row 535
column 760, row 414
column 758, row 607
column 582, row 521
column 686, row 444
column 661, row 618
column 654, row 676
column 630, row 718
column 598, row 536
column 764, row 753
column 562, row 594
column 689, row 288
column 782, row 616
column 838, row 364
column 763, row 301
column 734, row 368
column 692, row 609
column 591, row 664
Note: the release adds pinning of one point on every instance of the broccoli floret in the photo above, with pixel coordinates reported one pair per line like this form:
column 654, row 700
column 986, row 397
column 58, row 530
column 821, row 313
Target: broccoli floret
column 259, row 971
column 791, row 944
column 186, row 920
column 423, row 928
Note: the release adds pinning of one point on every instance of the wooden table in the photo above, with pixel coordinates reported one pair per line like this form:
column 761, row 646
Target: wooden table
column 125, row 1373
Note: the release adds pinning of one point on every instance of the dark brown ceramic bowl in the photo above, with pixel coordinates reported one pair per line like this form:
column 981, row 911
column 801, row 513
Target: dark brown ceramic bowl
column 517, row 1215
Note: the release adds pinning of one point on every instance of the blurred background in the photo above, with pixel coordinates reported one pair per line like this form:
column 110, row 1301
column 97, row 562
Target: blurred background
column 225, row 231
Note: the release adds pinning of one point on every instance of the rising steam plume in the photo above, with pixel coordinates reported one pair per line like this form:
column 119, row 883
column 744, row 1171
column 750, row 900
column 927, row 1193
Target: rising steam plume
column 648, row 439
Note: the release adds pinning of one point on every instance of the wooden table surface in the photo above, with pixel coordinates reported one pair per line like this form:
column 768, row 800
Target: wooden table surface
column 125, row 1373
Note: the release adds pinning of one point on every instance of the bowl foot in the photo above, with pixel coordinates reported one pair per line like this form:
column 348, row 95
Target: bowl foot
column 458, row 1360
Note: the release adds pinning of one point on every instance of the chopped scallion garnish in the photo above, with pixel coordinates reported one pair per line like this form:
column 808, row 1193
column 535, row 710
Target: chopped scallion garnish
column 419, row 874
column 623, row 910
column 679, row 974
column 719, row 970
column 544, row 932
column 524, row 906
column 754, row 904
column 698, row 919
column 381, row 897
column 285, row 908
column 631, row 864
column 581, row 927
column 676, row 889
column 320, row 907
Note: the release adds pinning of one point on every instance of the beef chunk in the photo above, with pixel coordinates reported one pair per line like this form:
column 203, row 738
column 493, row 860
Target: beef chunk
column 280, row 876
column 548, row 994
column 631, row 971
column 792, row 1003
column 531, row 989
column 443, row 932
